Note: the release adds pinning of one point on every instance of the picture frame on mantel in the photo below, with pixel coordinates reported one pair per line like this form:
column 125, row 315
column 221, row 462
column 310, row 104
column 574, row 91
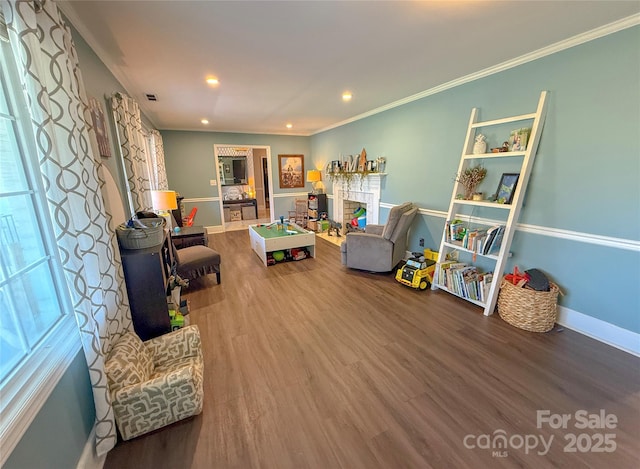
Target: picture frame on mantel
column 291, row 171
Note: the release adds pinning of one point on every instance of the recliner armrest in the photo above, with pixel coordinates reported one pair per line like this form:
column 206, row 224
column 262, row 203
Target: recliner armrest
column 374, row 229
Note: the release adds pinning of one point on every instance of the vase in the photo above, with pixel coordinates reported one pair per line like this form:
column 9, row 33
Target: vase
column 479, row 147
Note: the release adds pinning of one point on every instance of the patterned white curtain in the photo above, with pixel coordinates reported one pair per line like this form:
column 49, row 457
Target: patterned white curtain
column 137, row 162
column 73, row 177
column 157, row 163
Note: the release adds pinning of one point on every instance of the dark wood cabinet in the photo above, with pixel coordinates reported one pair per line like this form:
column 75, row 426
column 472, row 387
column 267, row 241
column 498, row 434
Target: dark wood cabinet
column 240, row 209
column 146, row 273
column 317, row 205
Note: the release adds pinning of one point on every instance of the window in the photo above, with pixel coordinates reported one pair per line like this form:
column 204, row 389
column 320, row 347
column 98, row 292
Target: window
column 38, row 334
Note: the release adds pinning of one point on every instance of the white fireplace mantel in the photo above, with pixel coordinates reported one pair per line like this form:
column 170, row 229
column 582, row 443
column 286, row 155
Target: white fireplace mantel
column 364, row 189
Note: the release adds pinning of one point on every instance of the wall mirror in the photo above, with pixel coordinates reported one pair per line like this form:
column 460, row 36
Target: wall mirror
column 233, row 170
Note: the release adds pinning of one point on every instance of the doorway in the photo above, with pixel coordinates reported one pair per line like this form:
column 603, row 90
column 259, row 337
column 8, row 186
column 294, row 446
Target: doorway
column 247, row 198
column 265, row 178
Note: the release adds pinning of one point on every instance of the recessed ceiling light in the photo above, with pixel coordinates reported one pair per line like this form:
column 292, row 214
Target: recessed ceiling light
column 289, row 126
column 204, row 121
column 213, row 81
column 346, row 96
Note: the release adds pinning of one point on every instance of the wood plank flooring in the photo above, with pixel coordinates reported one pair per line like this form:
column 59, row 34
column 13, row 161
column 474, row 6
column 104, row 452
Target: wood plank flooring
column 311, row 365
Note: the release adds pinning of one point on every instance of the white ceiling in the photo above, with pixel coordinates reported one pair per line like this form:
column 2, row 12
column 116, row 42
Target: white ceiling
column 281, row 62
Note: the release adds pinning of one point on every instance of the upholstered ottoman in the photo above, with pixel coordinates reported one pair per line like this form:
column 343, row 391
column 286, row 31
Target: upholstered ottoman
column 195, row 261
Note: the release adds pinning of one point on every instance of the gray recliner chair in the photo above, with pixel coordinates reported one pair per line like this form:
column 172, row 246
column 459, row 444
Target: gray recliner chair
column 381, row 247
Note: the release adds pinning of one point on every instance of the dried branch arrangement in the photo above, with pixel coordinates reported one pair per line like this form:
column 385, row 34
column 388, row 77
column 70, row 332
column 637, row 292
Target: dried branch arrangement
column 470, row 179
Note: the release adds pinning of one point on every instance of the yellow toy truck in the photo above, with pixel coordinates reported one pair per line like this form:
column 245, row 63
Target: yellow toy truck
column 418, row 271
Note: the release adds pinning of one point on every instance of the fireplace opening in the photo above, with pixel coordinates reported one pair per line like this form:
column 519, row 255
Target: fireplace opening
column 354, row 216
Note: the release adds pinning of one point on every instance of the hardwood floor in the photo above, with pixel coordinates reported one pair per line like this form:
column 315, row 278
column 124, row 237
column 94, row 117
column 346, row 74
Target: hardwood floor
column 311, row 365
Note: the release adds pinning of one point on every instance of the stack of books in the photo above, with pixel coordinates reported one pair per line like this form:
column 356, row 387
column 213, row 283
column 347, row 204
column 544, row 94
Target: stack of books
column 479, row 241
column 464, row 280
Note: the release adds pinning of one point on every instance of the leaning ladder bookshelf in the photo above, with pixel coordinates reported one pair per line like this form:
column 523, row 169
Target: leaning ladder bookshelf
column 505, row 214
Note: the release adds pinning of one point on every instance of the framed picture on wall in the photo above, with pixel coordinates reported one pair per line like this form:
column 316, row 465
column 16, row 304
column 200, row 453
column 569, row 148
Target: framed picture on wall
column 100, row 126
column 291, row 171
column 506, row 187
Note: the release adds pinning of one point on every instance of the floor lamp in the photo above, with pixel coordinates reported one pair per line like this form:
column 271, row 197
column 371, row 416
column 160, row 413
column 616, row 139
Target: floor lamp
column 163, row 202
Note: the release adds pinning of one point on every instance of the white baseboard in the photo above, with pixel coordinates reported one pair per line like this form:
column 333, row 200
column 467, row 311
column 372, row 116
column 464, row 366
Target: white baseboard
column 89, row 459
column 600, row 330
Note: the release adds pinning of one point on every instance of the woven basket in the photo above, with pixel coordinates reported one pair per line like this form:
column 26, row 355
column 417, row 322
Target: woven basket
column 531, row 310
column 140, row 238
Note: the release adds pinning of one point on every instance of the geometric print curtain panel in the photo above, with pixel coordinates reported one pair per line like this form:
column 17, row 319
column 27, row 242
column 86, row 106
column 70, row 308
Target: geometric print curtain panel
column 72, row 174
column 132, row 144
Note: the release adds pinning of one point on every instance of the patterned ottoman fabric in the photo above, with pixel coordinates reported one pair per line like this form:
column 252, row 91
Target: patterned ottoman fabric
column 171, row 389
column 129, row 362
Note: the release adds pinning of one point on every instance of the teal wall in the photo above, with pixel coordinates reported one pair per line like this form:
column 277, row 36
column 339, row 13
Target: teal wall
column 189, row 159
column 585, row 178
column 100, row 83
column 59, row 432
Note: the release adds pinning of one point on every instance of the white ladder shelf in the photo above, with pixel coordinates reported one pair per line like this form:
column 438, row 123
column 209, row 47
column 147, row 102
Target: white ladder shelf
column 509, row 213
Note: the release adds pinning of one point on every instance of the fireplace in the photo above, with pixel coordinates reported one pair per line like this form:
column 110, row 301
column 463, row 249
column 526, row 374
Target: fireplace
column 365, row 193
column 349, row 208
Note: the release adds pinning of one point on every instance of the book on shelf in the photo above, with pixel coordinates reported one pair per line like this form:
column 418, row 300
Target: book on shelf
column 491, row 235
column 464, row 280
column 484, row 283
column 455, row 230
column 497, row 241
column 443, row 276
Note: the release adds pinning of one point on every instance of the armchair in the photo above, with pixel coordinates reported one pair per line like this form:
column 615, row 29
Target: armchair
column 157, row 382
column 381, row 247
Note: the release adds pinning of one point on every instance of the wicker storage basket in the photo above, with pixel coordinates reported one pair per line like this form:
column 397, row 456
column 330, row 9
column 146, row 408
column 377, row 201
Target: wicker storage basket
column 531, row 310
column 140, row 238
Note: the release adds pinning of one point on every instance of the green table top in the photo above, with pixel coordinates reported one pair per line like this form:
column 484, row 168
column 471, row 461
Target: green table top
column 272, row 231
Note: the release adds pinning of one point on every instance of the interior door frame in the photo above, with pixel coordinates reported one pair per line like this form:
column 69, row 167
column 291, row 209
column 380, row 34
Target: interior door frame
column 267, row 148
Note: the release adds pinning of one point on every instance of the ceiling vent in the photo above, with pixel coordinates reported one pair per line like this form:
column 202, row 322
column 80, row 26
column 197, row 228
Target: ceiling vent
column 151, row 97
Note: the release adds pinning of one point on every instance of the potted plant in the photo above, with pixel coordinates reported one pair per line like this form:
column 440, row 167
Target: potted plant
column 470, row 178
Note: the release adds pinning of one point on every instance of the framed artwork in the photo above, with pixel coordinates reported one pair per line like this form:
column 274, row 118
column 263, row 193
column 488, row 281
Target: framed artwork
column 518, row 139
column 506, row 187
column 99, row 124
column 291, row 171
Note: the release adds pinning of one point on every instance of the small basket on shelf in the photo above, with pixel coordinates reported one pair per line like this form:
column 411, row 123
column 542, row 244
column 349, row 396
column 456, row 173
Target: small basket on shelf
column 531, row 310
column 140, row 238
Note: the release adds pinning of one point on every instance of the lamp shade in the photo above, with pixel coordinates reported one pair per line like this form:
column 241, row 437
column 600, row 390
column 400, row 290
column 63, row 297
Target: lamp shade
column 164, row 200
column 314, row 175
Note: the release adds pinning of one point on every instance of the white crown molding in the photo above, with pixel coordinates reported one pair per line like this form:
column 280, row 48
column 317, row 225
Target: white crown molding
column 605, row 30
